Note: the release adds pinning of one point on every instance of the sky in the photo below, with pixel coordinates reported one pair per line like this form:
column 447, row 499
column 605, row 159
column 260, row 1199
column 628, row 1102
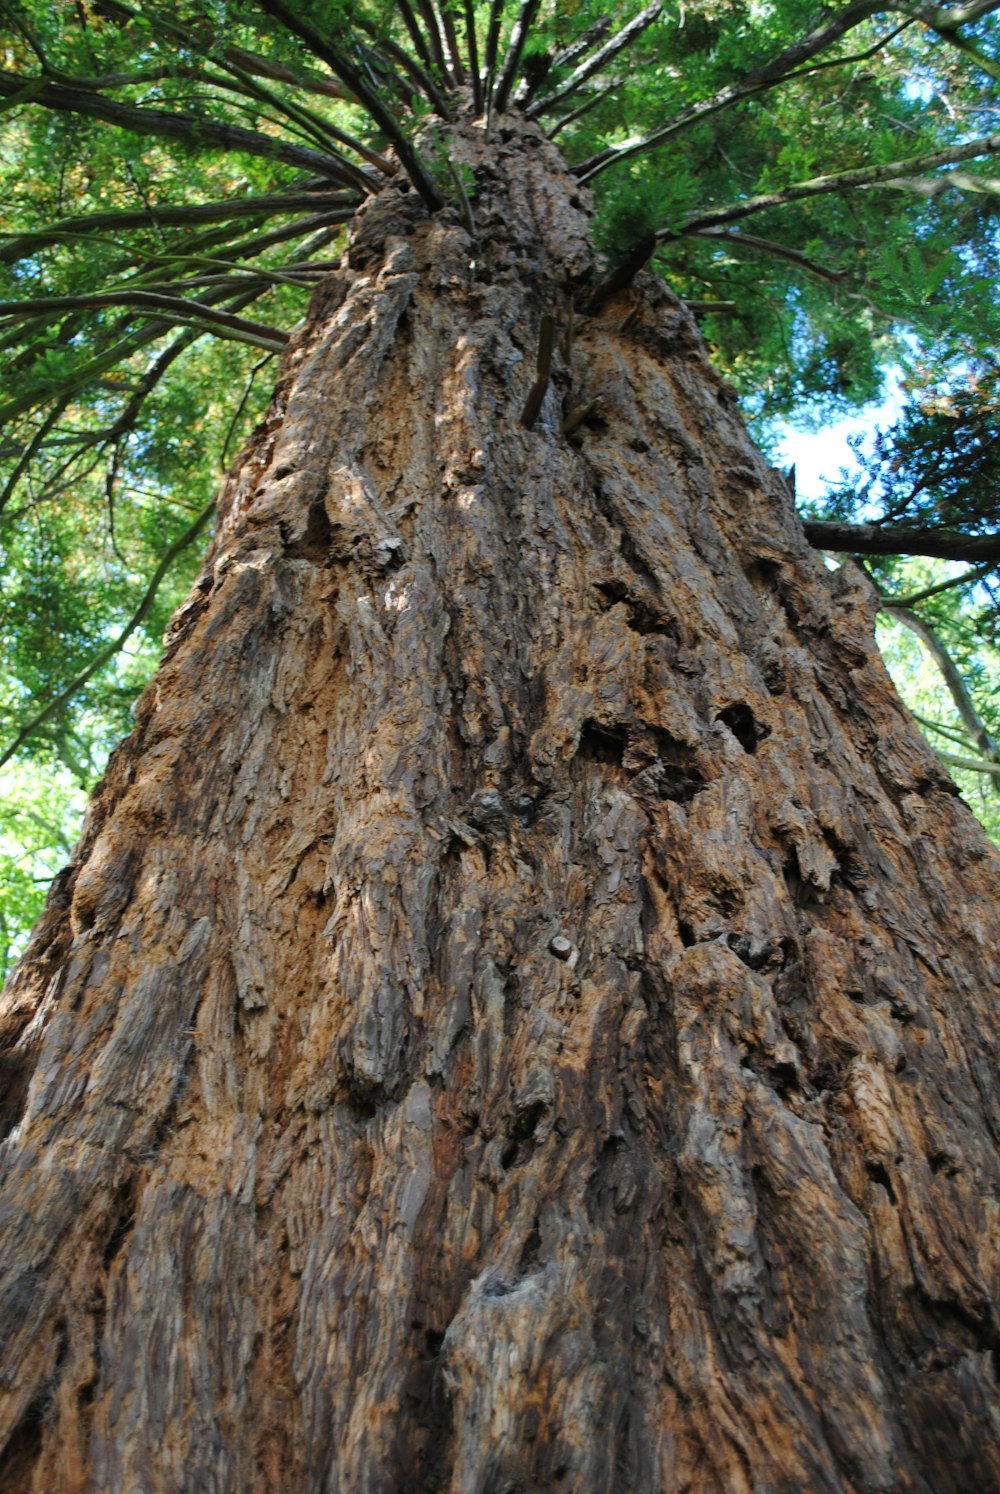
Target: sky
column 821, row 454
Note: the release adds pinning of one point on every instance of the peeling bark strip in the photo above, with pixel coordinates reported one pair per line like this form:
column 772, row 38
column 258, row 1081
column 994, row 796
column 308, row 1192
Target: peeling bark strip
column 522, row 1012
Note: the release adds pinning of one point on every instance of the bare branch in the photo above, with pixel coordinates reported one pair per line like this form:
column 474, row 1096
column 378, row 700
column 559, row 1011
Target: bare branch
column 518, row 37
column 869, row 539
column 618, row 43
column 970, row 764
column 412, row 69
column 583, row 43
column 451, row 37
column 950, row 733
column 478, row 102
column 430, row 21
column 945, row 19
column 493, row 44
column 584, row 108
column 976, row 573
column 223, row 323
column 933, row 186
column 188, row 127
column 416, row 35
column 352, row 78
column 205, row 212
column 770, row 246
column 963, row 701
column 838, row 181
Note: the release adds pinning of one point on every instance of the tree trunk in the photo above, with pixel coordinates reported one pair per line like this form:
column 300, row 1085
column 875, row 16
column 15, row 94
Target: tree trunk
column 520, row 1016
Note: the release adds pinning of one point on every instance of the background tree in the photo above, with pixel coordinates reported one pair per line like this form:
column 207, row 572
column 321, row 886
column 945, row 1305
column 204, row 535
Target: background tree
column 520, row 1012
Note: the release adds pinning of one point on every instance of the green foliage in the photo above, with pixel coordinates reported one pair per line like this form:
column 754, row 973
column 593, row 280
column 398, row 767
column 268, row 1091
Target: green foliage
column 175, row 179
column 40, row 812
column 919, row 681
column 939, row 467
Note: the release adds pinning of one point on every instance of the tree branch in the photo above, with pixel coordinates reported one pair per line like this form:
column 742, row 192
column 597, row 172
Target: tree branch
column 454, row 50
column 492, row 47
column 206, row 212
column 583, row 108
column 176, row 308
column 478, row 103
column 352, row 78
column 838, row 181
column 963, row 701
column 611, row 49
column 976, row 573
column 945, row 19
column 970, row 764
column 515, row 48
column 188, row 127
column 869, row 539
column 419, row 76
column 756, row 81
column 430, row 21
column 933, row 186
column 416, row 35
column 583, row 43
column 770, row 246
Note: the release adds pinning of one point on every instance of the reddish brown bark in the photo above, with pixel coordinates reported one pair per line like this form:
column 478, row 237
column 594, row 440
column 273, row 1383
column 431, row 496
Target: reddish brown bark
column 521, row 1015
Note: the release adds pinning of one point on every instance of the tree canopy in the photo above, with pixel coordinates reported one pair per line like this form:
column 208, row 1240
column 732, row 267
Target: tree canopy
column 817, row 183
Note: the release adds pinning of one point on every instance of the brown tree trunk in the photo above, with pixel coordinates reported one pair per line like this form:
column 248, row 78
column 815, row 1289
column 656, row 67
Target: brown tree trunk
column 521, row 1015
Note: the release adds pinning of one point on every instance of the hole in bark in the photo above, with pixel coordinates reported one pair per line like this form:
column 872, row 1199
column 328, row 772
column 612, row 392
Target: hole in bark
column 15, row 1075
column 826, row 1079
column 754, row 956
column 601, row 744
column 361, row 1106
column 784, row 1078
column 528, row 807
column 520, row 1138
column 995, row 1358
column 123, row 1218
column 17, row 1462
column 744, row 726
column 644, row 615
column 529, row 1251
column 433, row 1339
column 878, row 1174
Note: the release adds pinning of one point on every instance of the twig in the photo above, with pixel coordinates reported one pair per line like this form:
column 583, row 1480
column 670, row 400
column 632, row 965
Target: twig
column 546, row 341
column 976, row 573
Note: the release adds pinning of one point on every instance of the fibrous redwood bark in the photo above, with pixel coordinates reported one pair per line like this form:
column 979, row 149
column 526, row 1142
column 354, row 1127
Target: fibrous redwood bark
column 521, row 1015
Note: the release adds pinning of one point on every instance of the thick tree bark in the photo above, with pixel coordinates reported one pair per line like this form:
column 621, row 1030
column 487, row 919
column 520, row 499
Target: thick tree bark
column 521, row 1014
